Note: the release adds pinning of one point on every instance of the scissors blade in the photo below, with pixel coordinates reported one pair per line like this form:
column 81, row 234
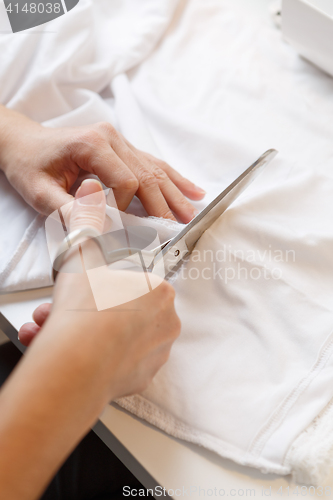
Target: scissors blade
column 183, row 244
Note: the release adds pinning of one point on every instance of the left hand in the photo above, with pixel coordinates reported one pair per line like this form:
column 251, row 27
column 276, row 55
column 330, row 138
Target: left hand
column 43, row 163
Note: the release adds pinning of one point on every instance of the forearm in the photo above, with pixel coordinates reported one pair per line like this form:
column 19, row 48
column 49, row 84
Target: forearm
column 46, row 407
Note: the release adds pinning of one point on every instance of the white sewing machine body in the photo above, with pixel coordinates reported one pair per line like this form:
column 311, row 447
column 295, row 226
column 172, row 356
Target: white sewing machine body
column 308, row 26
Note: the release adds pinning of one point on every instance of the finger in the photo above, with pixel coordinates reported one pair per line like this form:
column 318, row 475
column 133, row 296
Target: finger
column 102, row 161
column 27, row 333
column 183, row 209
column 152, row 198
column 89, row 206
column 123, row 183
column 115, row 174
column 175, row 199
column 88, row 211
column 148, row 190
column 41, row 313
column 187, row 187
column 184, row 185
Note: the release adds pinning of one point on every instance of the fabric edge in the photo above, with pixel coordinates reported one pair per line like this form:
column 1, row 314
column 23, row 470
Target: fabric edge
column 310, row 456
column 142, row 408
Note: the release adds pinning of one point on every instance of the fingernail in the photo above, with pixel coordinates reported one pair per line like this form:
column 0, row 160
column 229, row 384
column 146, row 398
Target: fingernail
column 195, row 212
column 89, row 193
column 202, row 191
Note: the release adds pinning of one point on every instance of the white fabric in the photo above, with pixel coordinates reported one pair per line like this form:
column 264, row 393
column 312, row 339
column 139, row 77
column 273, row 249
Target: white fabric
column 253, row 366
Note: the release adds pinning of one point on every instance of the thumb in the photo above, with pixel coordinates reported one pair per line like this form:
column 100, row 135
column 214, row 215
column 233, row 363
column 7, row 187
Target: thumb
column 87, row 211
column 89, row 206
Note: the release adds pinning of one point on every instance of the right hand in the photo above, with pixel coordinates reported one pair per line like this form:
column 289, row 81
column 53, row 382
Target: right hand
column 79, row 361
column 116, row 351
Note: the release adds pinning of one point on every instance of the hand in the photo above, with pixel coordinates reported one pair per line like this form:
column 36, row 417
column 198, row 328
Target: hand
column 43, row 164
column 136, row 339
column 80, row 360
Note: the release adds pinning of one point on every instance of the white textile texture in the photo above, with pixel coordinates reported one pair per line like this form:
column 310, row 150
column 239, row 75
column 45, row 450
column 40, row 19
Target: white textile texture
column 210, row 88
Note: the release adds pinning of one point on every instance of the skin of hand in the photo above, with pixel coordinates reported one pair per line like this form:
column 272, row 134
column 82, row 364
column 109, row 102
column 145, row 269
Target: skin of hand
column 80, row 360
column 42, row 164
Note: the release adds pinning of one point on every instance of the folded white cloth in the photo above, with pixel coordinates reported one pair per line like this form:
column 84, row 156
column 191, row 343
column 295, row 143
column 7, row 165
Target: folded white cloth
column 251, row 375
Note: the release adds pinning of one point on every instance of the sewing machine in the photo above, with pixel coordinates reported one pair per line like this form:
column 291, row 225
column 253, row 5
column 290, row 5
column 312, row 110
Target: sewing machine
column 308, row 26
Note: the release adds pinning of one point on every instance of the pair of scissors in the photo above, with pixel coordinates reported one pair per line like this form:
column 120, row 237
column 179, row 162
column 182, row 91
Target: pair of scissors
column 129, row 244
column 174, row 251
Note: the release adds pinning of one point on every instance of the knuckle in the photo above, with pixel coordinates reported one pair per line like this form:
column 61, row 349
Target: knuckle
column 160, row 175
column 147, row 180
column 39, row 200
column 92, row 136
column 168, row 291
column 129, row 184
column 106, row 128
column 87, row 138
